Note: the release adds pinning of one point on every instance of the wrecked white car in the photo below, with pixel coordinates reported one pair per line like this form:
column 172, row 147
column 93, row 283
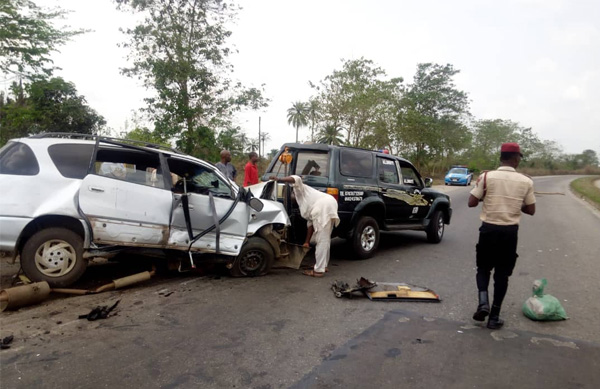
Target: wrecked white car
column 69, row 198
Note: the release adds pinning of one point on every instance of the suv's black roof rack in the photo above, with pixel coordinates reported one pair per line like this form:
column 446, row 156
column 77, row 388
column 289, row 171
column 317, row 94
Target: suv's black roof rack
column 104, row 138
column 325, row 147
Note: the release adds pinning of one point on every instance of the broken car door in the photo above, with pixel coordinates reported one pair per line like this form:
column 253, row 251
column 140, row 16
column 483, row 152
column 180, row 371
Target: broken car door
column 125, row 198
column 210, row 198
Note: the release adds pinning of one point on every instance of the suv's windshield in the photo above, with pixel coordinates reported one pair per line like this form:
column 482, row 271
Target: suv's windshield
column 308, row 163
column 458, row 171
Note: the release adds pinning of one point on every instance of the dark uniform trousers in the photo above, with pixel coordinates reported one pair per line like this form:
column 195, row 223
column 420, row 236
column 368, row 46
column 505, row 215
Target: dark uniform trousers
column 496, row 250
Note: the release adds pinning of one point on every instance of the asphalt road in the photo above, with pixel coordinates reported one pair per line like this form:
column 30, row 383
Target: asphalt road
column 287, row 330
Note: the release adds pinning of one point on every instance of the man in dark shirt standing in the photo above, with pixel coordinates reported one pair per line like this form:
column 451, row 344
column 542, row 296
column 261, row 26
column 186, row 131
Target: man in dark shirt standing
column 505, row 193
column 225, row 166
column 251, row 170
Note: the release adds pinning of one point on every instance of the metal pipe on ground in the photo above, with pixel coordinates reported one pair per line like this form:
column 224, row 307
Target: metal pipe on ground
column 37, row 292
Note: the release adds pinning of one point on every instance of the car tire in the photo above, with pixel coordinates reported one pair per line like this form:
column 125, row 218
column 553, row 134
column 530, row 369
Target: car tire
column 54, row 255
column 255, row 259
column 365, row 237
column 435, row 230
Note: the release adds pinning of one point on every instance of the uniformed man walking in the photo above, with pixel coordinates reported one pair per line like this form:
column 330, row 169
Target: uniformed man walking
column 505, row 193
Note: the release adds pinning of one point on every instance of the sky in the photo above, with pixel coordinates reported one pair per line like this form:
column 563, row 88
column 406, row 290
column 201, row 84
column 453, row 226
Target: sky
column 534, row 62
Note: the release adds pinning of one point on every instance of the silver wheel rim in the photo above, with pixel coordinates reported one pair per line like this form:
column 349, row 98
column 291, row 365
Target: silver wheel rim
column 55, row 258
column 367, row 238
column 440, row 231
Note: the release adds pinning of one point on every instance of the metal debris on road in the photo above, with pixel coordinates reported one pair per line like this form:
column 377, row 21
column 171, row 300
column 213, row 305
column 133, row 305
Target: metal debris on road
column 385, row 291
column 100, row 312
column 342, row 289
column 6, row 341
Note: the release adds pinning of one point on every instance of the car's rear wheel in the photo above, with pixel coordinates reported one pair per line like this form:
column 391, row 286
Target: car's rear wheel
column 365, row 238
column 435, row 230
column 255, row 259
column 54, row 255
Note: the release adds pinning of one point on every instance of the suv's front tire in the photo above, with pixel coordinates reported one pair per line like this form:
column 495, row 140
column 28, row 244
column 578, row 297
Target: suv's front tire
column 435, row 229
column 365, row 238
column 54, row 255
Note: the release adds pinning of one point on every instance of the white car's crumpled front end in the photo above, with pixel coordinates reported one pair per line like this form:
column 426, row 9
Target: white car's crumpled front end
column 273, row 211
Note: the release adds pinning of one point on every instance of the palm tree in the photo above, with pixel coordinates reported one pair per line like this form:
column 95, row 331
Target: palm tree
column 264, row 137
column 297, row 116
column 312, row 111
column 252, row 144
column 331, row 135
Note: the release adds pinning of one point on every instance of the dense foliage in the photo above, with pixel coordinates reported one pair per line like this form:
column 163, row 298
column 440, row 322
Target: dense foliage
column 179, row 50
column 427, row 121
column 51, row 105
column 28, row 37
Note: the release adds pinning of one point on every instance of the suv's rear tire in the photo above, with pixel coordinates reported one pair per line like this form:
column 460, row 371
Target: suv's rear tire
column 365, row 238
column 54, row 255
column 435, row 230
column 255, row 259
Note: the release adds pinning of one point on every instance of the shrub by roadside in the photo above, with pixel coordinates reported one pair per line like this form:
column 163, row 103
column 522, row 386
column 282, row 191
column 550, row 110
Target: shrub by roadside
column 586, row 188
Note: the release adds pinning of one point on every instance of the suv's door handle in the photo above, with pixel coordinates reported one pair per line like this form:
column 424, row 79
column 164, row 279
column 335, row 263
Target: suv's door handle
column 190, row 206
column 96, row 189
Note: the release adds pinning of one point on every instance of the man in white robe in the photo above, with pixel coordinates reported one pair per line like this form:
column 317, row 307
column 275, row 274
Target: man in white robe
column 320, row 211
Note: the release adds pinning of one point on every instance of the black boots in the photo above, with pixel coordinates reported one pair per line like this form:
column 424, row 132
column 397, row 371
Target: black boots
column 494, row 322
column 483, row 309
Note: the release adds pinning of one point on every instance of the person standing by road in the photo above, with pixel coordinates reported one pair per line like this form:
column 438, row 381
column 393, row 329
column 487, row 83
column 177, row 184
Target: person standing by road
column 505, row 193
column 225, row 166
column 320, row 211
column 251, row 170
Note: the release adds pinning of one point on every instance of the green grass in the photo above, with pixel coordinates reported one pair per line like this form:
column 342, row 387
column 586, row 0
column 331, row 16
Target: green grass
column 586, row 188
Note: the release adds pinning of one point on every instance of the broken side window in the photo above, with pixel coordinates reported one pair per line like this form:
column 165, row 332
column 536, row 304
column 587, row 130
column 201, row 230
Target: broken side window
column 130, row 165
column 198, row 178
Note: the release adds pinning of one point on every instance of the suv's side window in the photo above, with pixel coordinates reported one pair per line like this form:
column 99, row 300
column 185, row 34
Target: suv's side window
column 312, row 164
column 356, row 163
column 387, row 171
column 71, row 160
column 130, row 165
column 198, row 179
column 409, row 176
column 18, row 159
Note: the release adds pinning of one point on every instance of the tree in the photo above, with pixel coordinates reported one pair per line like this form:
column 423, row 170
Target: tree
column 264, row 136
column 179, row 50
column 229, row 139
column 331, row 135
column 297, row 116
column 488, row 136
column 312, row 116
column 432, row 112
column 27, row 38
column 355, row 98
column 47, row 106
column 252, row 144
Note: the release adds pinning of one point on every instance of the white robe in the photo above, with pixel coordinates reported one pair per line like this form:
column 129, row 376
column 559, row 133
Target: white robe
column 320, row 211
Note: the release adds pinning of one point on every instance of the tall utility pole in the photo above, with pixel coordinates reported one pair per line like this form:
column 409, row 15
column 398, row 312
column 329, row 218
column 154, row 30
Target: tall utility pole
column 259, row 154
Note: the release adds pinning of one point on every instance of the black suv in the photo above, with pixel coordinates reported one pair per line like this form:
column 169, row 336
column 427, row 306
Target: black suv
column 375, row 191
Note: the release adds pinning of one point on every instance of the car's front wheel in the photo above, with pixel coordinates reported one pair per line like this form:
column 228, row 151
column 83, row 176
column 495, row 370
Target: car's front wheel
column 255, row 259
column 54, row 255
column 435, row 230
column 365, row 238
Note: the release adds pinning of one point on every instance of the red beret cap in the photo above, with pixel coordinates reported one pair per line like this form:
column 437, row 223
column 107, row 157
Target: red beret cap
column 510, row 148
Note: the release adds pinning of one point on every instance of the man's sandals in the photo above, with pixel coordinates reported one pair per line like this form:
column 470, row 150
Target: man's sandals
column 312, row 273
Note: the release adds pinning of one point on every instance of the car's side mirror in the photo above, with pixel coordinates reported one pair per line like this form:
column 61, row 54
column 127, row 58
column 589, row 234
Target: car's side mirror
column 428, row 182
column 256, row 204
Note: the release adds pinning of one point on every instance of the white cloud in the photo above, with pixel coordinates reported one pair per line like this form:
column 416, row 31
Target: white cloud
column 583, row 34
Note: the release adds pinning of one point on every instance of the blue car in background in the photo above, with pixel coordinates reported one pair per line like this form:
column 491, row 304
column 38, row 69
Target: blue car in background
column 458, row 176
